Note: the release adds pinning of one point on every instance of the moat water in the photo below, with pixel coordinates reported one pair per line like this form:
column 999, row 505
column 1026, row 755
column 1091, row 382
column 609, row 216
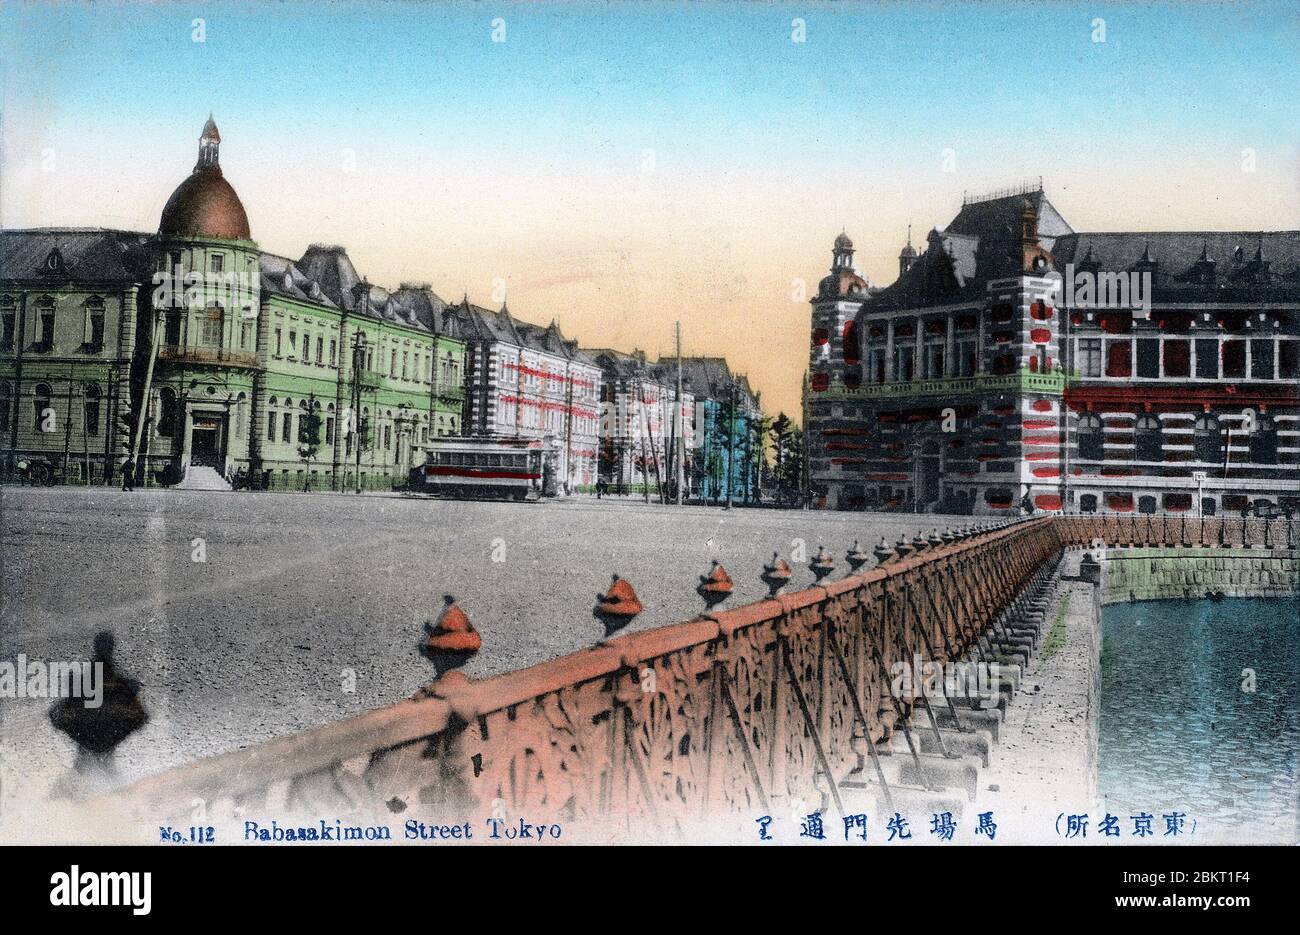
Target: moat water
column 1182, row 731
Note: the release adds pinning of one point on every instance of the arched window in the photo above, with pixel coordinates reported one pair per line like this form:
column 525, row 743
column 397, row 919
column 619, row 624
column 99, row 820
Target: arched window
column 1263, row 441
column 40, row 404
column 91, row 407
column 94, row 336
column 1147, row 439
column 1091, row 438
column 1207, row 438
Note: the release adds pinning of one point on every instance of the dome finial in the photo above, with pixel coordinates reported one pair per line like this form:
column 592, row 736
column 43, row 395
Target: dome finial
column 209, row 146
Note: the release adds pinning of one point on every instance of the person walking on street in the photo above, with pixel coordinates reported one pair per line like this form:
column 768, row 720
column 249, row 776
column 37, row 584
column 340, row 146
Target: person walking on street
column 128, row 475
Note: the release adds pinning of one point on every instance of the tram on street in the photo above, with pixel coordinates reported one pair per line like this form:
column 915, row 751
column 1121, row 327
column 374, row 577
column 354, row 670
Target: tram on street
column 472, row 468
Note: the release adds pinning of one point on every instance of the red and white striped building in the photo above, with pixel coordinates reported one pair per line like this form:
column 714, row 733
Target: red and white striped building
column 995, row 373
column 529, row 381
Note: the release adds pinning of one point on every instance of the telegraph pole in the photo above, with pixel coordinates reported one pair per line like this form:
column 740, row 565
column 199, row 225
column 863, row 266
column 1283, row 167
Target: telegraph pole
column 679, row 446
column 358, row 358
column 731, row 440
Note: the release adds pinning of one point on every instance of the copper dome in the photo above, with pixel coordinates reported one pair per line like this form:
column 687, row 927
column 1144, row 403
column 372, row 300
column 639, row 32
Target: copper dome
column 205, row 204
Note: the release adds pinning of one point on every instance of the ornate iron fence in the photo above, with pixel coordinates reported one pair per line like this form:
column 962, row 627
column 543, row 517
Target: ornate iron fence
column 733, row 712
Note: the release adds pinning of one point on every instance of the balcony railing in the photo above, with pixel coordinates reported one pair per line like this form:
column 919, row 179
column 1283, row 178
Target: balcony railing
column 207, row 355
column 1022, row 380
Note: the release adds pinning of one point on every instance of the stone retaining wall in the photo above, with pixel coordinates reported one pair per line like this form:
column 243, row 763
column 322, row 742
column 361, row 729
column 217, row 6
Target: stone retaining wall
column 1163, row 574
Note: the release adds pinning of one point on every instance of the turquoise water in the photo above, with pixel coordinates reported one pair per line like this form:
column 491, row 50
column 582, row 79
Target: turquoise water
column 1177, row 730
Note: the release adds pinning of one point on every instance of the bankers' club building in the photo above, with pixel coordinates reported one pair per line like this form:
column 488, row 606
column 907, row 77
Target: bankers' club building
column 1016, row 364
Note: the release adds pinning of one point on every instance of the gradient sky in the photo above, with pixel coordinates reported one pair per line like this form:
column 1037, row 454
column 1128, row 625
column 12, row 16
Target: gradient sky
column 622, row 166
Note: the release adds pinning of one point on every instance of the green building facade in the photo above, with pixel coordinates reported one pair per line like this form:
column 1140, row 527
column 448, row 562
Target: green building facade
column 202, row 358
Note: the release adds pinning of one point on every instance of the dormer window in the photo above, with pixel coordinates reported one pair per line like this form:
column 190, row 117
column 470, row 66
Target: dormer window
column 1146, row 263
column 54, row 264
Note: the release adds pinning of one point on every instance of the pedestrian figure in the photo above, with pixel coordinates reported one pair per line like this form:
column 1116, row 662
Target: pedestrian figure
column 128, row 475
column 24, row 472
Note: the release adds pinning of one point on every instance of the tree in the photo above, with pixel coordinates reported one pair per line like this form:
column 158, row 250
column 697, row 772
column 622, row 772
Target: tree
column 780, row 428
column 309, row 424
column 790, row 469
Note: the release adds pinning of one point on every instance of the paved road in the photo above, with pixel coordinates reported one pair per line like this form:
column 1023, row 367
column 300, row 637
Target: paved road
column 298, row 589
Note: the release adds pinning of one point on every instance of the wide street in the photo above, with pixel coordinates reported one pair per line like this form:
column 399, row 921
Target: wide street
column 248, row 616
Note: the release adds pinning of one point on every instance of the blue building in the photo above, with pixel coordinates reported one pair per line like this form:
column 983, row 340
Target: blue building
column 729, row 430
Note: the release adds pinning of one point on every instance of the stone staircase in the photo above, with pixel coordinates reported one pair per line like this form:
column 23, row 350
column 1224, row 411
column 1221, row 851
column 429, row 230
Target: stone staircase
column 202, row 478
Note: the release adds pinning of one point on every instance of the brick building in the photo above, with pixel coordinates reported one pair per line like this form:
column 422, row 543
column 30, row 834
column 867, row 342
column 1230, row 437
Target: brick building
column 1018, row 364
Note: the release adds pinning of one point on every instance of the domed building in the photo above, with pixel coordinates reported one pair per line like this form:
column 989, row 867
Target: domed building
column 208, row 304
column 198, row 355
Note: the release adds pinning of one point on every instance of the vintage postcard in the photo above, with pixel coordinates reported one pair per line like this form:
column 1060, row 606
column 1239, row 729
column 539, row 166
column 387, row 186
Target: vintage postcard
column 832, row 425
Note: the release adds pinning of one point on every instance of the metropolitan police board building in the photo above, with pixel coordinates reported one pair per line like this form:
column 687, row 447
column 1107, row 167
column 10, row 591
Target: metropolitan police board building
column 1017, row 365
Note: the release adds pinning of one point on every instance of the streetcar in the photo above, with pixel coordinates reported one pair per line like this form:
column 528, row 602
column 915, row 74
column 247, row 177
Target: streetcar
column 471, row 468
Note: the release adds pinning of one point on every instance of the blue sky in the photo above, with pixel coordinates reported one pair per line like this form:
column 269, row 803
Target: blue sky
column 723, row 78
column 525, row 160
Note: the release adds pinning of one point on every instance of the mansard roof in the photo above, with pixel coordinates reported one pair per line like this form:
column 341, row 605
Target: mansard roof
column 477, row 322
column 1207, row 265
column 979, row 244
column 85, row 255
column 282, row 276
column 621, row 365
column 331, row 267
column 999, row 218
column 325, row 275
column 708, row 377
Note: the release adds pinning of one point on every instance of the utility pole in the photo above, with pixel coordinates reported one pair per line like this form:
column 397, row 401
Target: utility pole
column 731, row 440
column 20, row 336
column 568, row 427
column 358, row 358
column 679, row 426
column 67, row 425
column 805, row 472
column 643, row 429
column 144, row 398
